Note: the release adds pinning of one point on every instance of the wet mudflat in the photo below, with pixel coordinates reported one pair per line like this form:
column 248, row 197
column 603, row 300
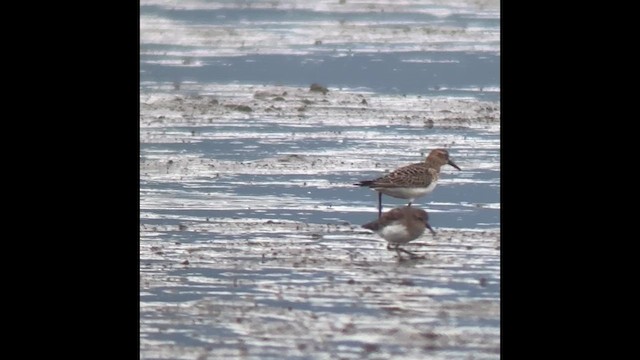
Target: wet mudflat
column 274, row 290
column 250, row 244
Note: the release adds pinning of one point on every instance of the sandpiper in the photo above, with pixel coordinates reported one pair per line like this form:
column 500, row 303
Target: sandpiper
column 400, row 225
column 411, row 181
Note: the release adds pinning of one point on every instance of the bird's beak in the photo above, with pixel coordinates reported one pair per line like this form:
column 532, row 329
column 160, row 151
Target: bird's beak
column 426, row 223
column 453, row 164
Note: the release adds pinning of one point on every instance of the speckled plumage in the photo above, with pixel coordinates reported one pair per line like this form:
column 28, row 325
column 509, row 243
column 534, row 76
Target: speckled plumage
column 414, row 175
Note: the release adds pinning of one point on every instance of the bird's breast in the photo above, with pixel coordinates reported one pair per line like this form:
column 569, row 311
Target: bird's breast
column 395, row 233
column 407, row 192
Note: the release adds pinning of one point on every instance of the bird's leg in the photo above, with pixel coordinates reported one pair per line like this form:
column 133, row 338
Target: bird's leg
column 411, row 254
column 379, row 205
column 397, row 249
column 407, row 251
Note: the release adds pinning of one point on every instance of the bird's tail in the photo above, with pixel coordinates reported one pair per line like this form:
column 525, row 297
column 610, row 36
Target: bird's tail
column 364, row 183
column 373, row 226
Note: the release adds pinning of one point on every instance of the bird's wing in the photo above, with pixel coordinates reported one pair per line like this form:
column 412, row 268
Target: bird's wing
column 386, row 219
column 407, row 176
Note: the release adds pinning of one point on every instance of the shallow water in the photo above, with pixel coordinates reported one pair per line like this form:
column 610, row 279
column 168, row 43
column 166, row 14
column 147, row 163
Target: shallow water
column 250, row 240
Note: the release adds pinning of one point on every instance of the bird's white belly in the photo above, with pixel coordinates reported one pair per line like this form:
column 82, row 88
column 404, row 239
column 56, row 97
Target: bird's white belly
column 395, row 233
column 408, row 192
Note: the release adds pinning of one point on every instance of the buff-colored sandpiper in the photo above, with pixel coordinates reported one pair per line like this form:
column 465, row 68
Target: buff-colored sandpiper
column 412, row 181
